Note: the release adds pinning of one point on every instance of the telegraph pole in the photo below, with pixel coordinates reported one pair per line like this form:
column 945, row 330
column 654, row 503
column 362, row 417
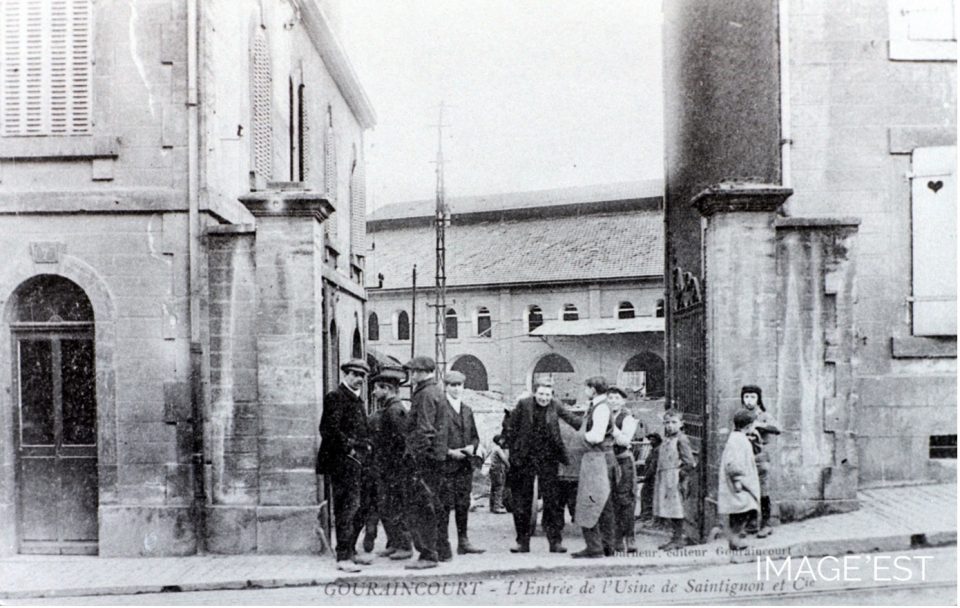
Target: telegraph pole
column 413, row 316
column 442, row 220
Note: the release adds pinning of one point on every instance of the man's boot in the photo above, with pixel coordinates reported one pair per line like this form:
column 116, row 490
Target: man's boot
column 402, row 554
column 386, row 552
column 522, row 546
column 557, row 547
column 464, row 546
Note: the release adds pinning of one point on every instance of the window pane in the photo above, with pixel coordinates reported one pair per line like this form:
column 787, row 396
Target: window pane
column 79, row 392
column 403, row 326
column 484, row 327
column 534, row 319
column 373, row 327
column 450, row 327
column 36, row 392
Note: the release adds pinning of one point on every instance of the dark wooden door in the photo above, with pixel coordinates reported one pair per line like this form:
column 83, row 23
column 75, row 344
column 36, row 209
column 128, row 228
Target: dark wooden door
column 56, row 441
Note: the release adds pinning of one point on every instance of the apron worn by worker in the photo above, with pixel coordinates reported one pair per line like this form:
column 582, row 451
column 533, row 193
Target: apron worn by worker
column 593, row 488
column 667, row 500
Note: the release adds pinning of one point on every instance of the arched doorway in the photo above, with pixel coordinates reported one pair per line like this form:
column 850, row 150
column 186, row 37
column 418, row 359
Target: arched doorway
column 54, row 387
column 643, row 374
column 474, row 370
column 557, row 369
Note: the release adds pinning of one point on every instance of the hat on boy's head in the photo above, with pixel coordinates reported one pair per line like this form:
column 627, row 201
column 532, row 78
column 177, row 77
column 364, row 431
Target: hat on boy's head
column 355, row 365
column 654, row 438
column 454, row 377
column 743, row 418
column 752, row 388
column 421, row 363
column 618, row 390
column 394, row 377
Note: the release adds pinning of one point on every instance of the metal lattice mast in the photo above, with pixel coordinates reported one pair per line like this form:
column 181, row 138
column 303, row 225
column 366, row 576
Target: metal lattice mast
column 442, row 220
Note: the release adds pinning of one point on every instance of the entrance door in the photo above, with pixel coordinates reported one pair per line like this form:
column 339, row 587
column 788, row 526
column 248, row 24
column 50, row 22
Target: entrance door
column 57, row 441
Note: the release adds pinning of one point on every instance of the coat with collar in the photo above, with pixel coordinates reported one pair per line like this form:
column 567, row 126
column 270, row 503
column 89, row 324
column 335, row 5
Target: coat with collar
column 390, row 437
column 523, row 445
column 461, row 432
column 426, row 439
column 343, row 429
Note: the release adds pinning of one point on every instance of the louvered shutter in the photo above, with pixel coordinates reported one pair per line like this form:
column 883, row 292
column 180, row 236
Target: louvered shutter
column 45, row 87
column 330, row 174
column 358, row 228
column 262, row 113
column 306, row 158
column 934, row 214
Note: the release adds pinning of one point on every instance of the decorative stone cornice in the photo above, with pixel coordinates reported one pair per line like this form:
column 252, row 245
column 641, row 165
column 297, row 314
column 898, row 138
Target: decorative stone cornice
column 820, row 222
column 288, row 199
column 727, row 197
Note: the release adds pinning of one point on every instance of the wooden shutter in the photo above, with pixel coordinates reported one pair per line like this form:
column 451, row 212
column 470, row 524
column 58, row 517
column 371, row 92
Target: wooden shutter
column 330, row 173
column 46, row 63
column 934, row 214
column 358, row 227
column 262, row 79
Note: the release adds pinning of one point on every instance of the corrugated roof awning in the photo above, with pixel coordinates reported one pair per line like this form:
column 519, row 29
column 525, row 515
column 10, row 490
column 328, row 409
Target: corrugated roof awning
column 591, row 327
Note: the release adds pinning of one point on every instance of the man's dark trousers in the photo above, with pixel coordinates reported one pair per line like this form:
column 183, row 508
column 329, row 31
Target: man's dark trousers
column 424, row 502
column 347, row 518
column 457, row 486
column 392, row 512
column 522, row 482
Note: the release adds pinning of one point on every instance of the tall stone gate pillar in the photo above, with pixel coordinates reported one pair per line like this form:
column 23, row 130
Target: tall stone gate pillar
column 264, row 486
column 778, row 298
column 740, row 310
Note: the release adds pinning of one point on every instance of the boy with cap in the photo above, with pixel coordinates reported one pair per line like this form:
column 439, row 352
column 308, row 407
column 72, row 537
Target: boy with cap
column 344, row 447
column 625, row 492
column 425, row 452
column 738, row 495
column 389, row 440
column 463, row 442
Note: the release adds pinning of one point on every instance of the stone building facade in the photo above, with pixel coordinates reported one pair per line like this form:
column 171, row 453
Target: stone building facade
column 547, row 282
column 811, row 238
column 181, row 216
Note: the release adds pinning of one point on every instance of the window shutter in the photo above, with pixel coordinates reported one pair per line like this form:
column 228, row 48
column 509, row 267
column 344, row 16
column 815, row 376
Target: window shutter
column 934, row 213
column 330, row 173
column 358, row 228
column 262, row 111
column 46, row 62
column 922, row 30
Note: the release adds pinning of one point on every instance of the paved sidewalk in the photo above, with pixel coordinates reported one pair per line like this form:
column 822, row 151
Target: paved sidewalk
column 890, row 519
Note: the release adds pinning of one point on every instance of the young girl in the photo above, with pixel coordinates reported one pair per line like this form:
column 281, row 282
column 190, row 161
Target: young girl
column 675, row 463
column 751, row 398
column 738, row 494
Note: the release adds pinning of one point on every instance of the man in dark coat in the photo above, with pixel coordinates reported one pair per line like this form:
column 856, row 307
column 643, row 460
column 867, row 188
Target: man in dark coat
column 425, row 452
column 393, row 475
column 344, row 445
column 532, row 434
column 463, row 441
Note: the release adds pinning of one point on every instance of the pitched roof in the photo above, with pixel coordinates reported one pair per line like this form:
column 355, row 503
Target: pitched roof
column 576, row 247
column 524, row 200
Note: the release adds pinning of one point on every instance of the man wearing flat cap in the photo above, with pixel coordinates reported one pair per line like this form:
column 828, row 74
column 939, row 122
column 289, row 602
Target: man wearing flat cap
column 344, row 445
column 463, row 443
column 389, row 442
column 426, row 451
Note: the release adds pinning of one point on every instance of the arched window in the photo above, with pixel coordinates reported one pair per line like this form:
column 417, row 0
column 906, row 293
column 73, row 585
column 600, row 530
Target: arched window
column 403, row 325
column 373, row 327
column 484, row 323
column 625, row 310
column 643, row 374
column 534, row 317
column 357, row 350
column 570, row 313
column 659, row 308
column 450, row 325
column 557, row 369
column 474, row 370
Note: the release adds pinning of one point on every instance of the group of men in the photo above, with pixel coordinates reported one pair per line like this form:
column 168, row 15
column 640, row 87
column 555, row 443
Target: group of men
column 423, row 461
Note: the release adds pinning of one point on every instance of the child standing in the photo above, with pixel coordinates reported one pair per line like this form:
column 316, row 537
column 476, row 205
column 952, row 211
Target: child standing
column 739, row 487
column 499, row 462
column 648, row 479
column 751, row 398
column 675, row 463
column 625, row 492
